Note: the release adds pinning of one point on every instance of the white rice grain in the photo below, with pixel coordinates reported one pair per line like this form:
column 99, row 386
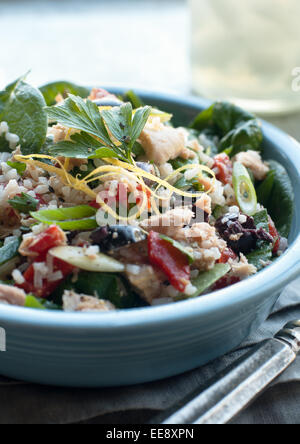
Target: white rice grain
column 18, row 277
column 57, row 276
column 41, row 189
column 190, row 290
column 133, row 269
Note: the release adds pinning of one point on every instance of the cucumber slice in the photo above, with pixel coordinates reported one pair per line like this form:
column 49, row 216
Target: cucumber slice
column 78, row 257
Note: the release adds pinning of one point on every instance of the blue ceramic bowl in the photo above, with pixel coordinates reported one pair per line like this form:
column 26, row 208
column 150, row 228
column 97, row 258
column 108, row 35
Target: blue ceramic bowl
column 146, row 344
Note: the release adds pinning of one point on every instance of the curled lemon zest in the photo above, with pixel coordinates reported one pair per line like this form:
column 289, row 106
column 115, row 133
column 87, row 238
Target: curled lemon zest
column 155, row 179
column 119, row 168
column 67, row 163
column 67, row 178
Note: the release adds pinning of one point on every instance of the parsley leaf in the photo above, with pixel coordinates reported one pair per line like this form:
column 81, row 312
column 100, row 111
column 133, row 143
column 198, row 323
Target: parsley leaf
column 116, row 130
column 24, row 203
column 78, row 114
column 81, row 146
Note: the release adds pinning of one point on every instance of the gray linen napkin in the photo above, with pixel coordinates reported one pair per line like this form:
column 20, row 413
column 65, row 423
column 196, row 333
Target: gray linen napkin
column 24, row 403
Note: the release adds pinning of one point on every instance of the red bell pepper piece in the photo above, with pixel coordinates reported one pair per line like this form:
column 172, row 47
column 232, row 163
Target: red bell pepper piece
column 48, row 287
column 227, row 254
column 94, row 204
column 41, row 200
column 140, row 198
column 170, row 260
column 225, row 282
column 225, row 167
column 274, row 233
column 50, row 238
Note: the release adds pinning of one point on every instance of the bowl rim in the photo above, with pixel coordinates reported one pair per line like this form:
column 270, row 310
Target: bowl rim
column 279, row 274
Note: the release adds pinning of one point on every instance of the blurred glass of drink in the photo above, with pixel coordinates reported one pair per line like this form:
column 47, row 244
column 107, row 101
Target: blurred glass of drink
column 247, row 51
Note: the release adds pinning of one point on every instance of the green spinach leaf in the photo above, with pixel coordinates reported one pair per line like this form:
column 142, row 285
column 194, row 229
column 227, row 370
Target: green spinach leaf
column 280, row 203
column 236, row 128
column 22, row 107
column 261, row 256
column 265, row 188
column 52, row 90
column 261, row 220
column 102, row 285
column 264, row 251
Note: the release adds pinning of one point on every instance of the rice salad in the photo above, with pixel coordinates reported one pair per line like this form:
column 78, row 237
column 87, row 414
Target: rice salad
column 107, row 204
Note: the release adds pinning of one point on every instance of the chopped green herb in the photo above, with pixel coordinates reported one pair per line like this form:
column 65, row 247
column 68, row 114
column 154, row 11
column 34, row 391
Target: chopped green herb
column 135, row 101
column 184, row 184
column 24, row 203
column 179, row 163
column 9, row 251
column 20, row 167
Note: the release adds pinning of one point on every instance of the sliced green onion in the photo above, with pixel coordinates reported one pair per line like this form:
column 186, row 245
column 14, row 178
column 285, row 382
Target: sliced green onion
column 81, row 217
column 32, row 302
column 228, row 151
column 179, row 247
column 39, row 304
column 164, row 117
column 207, row 278
column 244, row 189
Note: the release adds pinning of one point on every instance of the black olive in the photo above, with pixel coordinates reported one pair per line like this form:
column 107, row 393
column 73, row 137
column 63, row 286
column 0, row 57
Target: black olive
column 71, row 236
column 108, row 101
column 148, row 168
column 241, row 237
column 113, row 237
